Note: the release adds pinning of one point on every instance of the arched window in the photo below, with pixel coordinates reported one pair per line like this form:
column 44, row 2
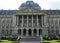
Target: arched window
column 40, row 31
column 35, row 32
column 29, row 32
column 19, row 31
column 24, row 32
column 11, row 32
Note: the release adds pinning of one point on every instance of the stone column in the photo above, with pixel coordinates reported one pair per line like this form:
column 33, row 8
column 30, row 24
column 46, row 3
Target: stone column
column 32, row 21
column 26, row 32
column 27, row 21
column 22, row 21
column 45, row 20
column 37, row 32
column 37, row 20
column 42, row 20
column 32, row 33
column 17, row 20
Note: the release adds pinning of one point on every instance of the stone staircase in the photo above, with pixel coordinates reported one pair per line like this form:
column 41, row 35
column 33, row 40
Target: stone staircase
column 30, row 39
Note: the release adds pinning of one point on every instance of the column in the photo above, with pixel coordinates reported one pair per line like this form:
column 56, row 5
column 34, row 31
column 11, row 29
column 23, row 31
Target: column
column 22, row 21
column 42, row 20
column 37, row 20
column 27, row 21
column 26, row 32
column 32, row 33
column 32, row 20
column 37, row 32
column 17, row 20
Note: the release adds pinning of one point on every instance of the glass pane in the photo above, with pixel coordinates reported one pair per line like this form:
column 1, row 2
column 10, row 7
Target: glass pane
column 30, row 23
column 25, row 23
column 34, row 23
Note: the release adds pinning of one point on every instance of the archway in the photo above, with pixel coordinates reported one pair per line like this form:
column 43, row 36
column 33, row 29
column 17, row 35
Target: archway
column 24, row 32
column 19, row 31
column 40, row 31
column 29, row 32
column 35, row 32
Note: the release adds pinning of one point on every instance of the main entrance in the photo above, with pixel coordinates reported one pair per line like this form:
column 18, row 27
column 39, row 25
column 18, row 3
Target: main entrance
column 30, row 32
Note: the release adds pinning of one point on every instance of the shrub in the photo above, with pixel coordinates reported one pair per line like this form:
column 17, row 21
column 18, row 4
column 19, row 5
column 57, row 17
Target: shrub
column 47, row 38
column 9, row 38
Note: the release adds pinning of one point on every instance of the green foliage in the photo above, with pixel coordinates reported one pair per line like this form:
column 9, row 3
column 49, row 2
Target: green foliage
column 47, row 38
column 9, row 38
column 54, row 37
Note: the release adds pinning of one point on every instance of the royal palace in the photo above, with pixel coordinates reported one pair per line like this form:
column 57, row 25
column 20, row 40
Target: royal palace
column 29, row 21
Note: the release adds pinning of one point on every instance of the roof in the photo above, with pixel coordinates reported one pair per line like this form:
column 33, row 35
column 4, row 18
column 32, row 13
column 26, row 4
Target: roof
column 29, row 4
column 7, row 11
column 14, row 11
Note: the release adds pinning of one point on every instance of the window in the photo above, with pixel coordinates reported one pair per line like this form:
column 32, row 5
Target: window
column 7, row 32
column 24, row 32
column 40, row 31
column 10, row 32
column 25, row 23
column 19, row 31
column 30, row 23
column 57, row 32
column 52, row 30
column 59, row 22
column 48, row 31
column 2, row 31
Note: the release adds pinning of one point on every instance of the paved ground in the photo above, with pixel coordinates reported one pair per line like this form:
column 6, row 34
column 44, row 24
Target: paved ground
column 30, row 40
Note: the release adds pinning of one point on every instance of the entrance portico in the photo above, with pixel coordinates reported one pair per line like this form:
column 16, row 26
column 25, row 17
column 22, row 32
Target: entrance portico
column 29, row 25
column 30, row 32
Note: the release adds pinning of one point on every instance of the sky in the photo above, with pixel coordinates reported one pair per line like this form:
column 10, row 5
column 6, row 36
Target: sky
column 15, row 4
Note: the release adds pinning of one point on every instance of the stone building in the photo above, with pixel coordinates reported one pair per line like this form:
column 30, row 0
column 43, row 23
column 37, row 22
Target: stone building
column 29, row 21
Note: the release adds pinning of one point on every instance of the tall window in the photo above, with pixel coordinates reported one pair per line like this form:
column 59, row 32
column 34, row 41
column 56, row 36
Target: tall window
column 39, row 21
column 2, row 31
column 29, row 32
column 59, row 22
column 19, row 31
column 34, row 21
column 11, row 32
column 30, row 21
column 25, row 21
column 48, row 31
column 57, row 31
column 24, row 32
column 6, row 32
column 40, row 31
column 35, row 32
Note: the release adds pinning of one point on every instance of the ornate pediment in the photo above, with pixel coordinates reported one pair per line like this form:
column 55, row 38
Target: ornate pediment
column 28, row 10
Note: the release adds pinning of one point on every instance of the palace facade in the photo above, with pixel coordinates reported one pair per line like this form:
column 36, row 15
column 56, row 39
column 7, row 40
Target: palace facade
column 29, row 21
